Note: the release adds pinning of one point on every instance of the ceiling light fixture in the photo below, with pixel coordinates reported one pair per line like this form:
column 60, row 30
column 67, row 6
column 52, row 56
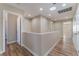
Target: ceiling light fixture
column 51, row 22
column 41, row 9
column 52, row 8
column 49, row 14
column 64, row 5
column 29, row 15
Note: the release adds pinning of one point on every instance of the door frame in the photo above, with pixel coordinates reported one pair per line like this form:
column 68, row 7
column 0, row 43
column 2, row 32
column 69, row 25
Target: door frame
column 5, row 17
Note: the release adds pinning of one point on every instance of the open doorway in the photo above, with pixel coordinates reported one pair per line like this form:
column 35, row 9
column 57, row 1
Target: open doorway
column 12, row 28
column 67, row 33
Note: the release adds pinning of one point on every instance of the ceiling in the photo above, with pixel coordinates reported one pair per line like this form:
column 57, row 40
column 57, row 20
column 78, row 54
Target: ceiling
column 33, row 9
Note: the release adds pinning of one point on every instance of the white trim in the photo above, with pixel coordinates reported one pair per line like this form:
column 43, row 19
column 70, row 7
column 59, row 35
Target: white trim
column 14, row 13
column 40, row 33
column 18, row 30
column 30, row 50
column 4, row 17
column 19, row 16
column 51, row 48
column 21, row 29
column 11, row 42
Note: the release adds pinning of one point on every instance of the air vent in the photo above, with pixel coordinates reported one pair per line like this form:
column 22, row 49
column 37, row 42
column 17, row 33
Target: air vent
column 53, row 3
column 65, row 10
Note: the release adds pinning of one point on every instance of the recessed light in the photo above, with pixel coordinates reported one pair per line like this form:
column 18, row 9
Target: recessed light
column 52, row 8
column 41, row 9
column 51, row 22
column 64, row 5
column 49, row 14
column 55, row 19
column 67, row 17
column 29, row 15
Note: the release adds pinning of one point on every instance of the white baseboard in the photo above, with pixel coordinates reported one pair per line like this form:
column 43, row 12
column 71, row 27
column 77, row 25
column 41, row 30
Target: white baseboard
column 11, row 42
column 50, row 49
column 30, row 50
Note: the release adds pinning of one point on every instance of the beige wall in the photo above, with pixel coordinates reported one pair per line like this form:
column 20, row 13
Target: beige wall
column 1, row 31
column 58, row 26
column 26, row 25
column 44, row 24
column 40, row 24
column 50, row 26
column 36, row 25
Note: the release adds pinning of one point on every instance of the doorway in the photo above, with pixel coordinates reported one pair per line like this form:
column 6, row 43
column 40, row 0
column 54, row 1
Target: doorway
column 12, row 28
column 68, row 34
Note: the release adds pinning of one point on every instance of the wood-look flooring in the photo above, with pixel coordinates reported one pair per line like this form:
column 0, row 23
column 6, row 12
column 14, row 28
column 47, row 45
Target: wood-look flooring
column 15, row 49
column 63, row 48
